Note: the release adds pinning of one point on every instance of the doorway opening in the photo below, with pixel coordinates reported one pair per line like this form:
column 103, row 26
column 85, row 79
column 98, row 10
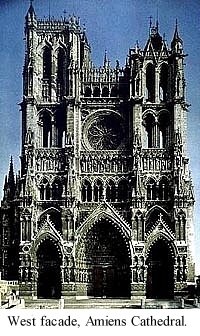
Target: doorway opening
column 160, row 272
column 49, row 272
column 107, row 259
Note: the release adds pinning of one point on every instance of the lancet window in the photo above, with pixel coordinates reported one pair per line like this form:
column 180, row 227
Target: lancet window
column 47, row 63
column 86, row 191
column 88, row 92
column 163, row 82
column 96, row 92
column 57, row 190
column 151, row 189
column 98, row 191
column 44, row 190
column 150, row 83
column 45, row 129
column 163, row 192
column 123, row 191
column 60, row 73
column 111, row 192
column 105, row 92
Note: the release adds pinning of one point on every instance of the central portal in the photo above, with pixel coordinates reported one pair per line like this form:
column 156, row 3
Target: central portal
column 108, row 260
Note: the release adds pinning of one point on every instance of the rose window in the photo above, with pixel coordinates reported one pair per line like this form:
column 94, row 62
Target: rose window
column 105, row 132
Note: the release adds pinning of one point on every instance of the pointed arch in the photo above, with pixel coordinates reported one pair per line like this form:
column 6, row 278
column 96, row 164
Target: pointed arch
column 123, row 191
column 160, row 260
column 163, row 188
column 96, row 91
column 164, row 129
column 61, row 71
column 59, row 128
column 151, row 189
column 157, row 215
column 103, row 251
column 88, row 92
column 45, row 129
column 105, row 91
column 149, row 125
column 49, row 260
column 98, row 191
column 164, row 73
column 110, row 191
column 114, row 91
column 150, row 83
column 86, row 191
column 44, row 188
column 47, row 63
column 57, row 189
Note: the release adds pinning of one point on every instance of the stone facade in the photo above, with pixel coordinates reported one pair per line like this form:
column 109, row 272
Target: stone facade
column 103, row 205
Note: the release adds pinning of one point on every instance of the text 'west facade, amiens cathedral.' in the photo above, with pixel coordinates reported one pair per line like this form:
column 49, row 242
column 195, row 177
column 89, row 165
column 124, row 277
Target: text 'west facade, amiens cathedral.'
column 103, row 204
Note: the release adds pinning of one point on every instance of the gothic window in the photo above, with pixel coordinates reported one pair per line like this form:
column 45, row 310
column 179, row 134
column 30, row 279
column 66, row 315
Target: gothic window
column 163, row 82
column 149, row 124
column 105, row 92
column 114, row 91
column 163, row 189
column 60, row 73
column 96, row 92
column 59, row 130
column 98, row 191
column 88, row 92
column 164, row 130
column 46, row 129
column 151, row 189
column 47, row 63
column 123, row 191
column 110, row 192
column 57, row 190
column 44, row 190
column 150, row 83
column 105, row 132
column 86, row 191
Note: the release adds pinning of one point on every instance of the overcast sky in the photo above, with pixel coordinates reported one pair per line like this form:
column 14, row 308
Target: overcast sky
column 114, row 25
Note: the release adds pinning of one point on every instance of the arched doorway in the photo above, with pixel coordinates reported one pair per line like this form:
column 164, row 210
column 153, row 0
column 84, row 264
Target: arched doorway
column 49, row 272
column 106, row 257
column 160, row 271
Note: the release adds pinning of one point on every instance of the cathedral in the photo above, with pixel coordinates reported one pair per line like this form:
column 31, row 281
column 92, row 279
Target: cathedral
column 103, row 204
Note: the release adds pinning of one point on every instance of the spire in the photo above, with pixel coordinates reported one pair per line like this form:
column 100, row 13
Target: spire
column 9, row 185
column 177, row 42
column 31, row 12
column 11, row 178
column 105, row 59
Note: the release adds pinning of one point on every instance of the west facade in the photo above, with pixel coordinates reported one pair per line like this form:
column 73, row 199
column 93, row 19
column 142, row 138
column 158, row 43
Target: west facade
column 103, row 204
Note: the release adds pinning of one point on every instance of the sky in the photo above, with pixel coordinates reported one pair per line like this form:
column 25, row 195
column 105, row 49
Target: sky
column 112, row 25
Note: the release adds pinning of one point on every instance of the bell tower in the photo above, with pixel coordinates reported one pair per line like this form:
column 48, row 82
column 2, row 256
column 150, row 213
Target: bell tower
column 55, row 51
column 163, row 198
